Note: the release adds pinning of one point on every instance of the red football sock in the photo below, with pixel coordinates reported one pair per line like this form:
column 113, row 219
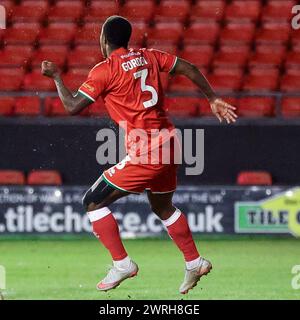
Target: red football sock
column 180, row 233
column 106, row 229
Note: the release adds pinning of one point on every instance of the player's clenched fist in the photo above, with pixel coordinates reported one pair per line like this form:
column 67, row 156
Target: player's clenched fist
column 49, row 69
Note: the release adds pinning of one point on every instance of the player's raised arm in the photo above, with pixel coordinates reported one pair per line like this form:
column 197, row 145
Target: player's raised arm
column 221, row 109
column 72, row 103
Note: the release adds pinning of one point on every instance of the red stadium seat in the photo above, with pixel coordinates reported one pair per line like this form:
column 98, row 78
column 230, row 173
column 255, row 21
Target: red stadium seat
column 7, row 106
column 231, row 56
column 295, row 37
column 66, row 11
column 98, row 11
column 204, row 108
column 138, row 10
column 182, row 106
column 58, row 33
column 201, row 33
column 54, row 53
column 12, row 177
column 292, row 60
column 27, row 106
column 169, row 10
column 32, row 11
column 256, row 107
column 200, row 55
column 84, row 56
column 165, row 32
column 290, row 82
column 273, row 32
column 54, row 107
column 223, row 81
column 237, row 33
column 168, row 47
column 181, row 83
column 278, row 10
column 268, row 56
column 22, row 33
column 243, row 10
column 15, row 56
column 44, row 177
column 262, row 80
column 208, row 10
column 35, row 81
column 97, row 109
column 88, row 34
column 11, row 79
column 228, row 71
column 290, row 107
column 139, row 32
column 254, row 178
column 75, row 78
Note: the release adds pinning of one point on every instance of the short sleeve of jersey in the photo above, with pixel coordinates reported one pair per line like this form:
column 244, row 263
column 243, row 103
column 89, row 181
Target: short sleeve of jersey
column 166, row 61
column 96, row 82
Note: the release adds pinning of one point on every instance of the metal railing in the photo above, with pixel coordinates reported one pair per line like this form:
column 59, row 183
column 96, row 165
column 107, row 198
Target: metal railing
column 278, row 96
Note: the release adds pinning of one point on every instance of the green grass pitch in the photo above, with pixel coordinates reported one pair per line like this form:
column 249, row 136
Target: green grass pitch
column 70, row 269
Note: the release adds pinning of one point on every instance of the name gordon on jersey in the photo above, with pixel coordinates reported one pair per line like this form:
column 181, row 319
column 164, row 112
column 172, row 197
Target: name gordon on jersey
column 133, row 63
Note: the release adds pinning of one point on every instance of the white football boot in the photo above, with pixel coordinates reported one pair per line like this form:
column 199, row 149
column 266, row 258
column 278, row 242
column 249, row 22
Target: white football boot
column 115, row 276
column 192, row 276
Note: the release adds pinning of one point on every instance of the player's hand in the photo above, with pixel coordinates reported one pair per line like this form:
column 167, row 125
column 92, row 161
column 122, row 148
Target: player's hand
column 49, row 69
column 223, row 111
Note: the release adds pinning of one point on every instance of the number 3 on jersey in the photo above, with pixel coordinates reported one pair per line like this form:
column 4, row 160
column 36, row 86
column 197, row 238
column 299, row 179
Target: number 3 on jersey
column 144, row 87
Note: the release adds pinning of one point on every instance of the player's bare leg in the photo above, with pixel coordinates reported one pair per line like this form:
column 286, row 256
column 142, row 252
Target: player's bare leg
column 105, row 227
column 180, row 233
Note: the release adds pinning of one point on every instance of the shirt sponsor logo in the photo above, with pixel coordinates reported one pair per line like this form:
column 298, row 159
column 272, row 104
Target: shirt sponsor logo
column 124, row 56
column 89, row 87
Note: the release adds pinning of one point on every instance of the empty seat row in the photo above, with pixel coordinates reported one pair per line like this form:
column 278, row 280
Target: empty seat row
column 86, row 56
column 255, row 106
column 32, row 106
column 20, row 55
column 147, row 10
column 199, row 32
column 53, row 177
column 257, row 80
column 246, row 106
column 35, row 177
column 221, row 78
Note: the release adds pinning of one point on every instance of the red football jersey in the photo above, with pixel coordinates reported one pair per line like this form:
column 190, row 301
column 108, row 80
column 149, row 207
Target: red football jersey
column 129, row 83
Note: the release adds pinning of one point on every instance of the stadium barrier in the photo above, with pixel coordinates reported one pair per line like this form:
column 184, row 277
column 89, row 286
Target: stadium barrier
column 26, row 210
column 63, row 144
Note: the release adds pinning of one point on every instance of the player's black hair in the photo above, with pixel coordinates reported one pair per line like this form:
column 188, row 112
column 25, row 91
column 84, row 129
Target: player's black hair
column 117, row 31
